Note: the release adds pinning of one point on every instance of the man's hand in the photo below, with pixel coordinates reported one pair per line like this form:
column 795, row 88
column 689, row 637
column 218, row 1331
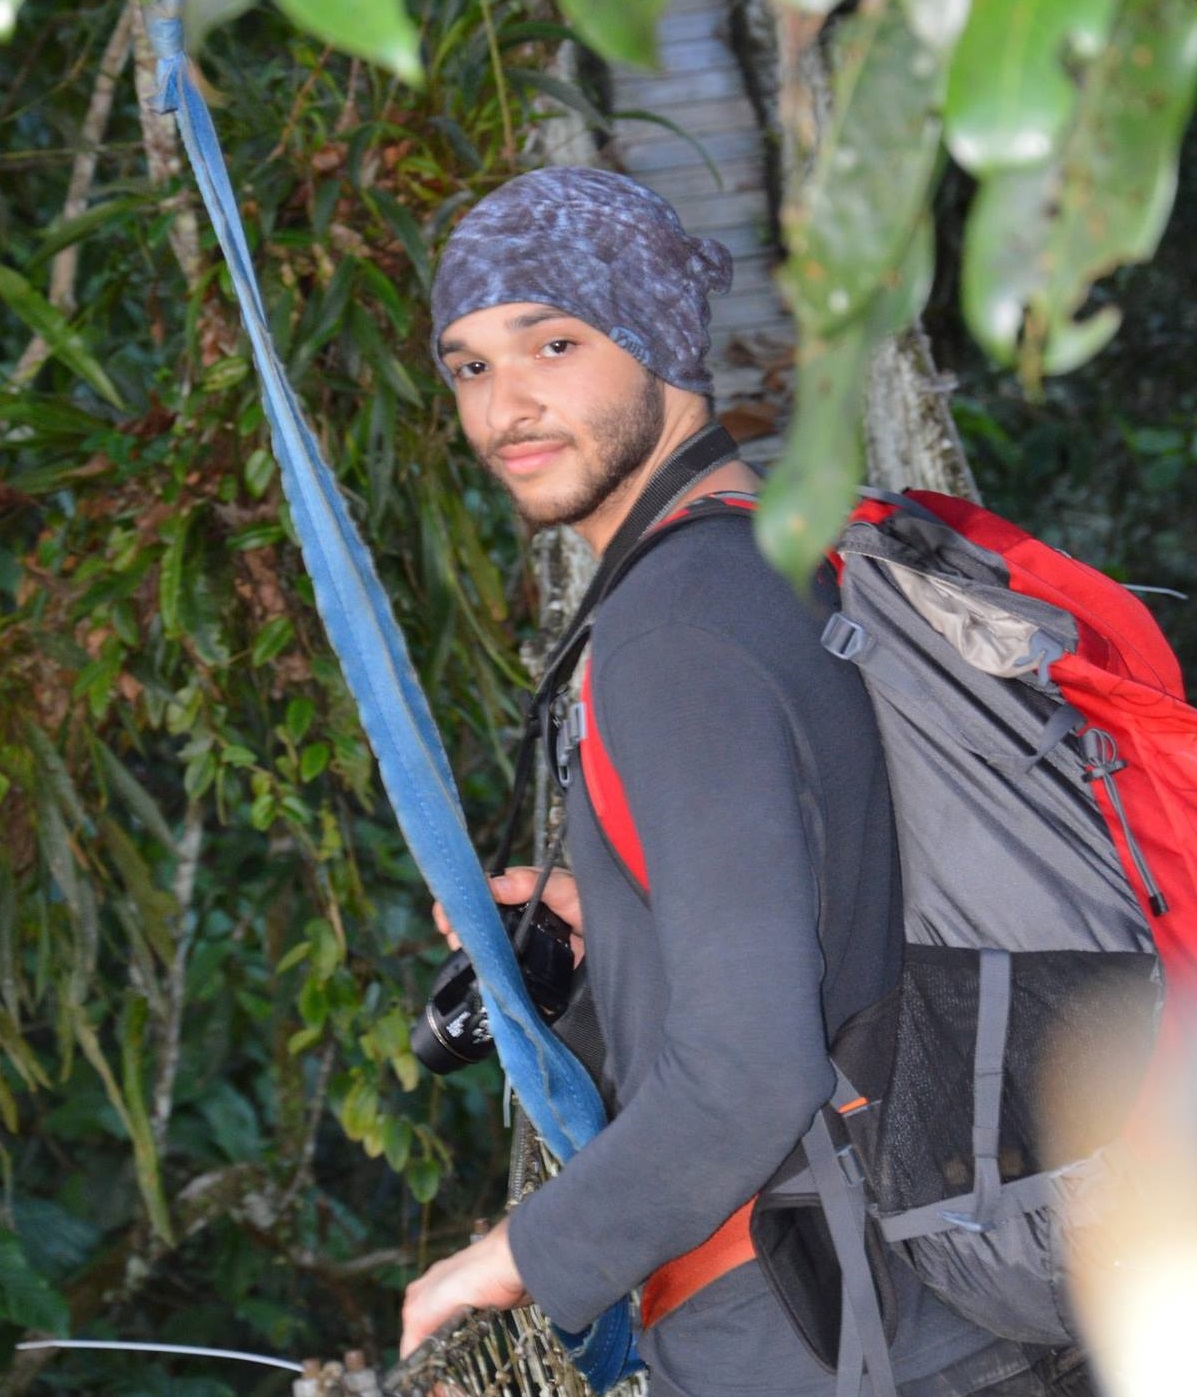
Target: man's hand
column 517, row 885
column 482, row 1276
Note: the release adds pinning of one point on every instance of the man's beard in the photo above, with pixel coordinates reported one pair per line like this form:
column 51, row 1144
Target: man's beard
column 624, row 437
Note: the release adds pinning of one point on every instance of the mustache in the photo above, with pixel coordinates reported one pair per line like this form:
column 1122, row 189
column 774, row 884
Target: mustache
column 507, row 439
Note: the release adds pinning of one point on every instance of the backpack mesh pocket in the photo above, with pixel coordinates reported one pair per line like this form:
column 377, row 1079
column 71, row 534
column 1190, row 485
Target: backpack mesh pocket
column 1082, row 1026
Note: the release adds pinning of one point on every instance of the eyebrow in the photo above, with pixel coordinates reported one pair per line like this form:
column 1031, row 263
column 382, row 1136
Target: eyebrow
column 526, row 321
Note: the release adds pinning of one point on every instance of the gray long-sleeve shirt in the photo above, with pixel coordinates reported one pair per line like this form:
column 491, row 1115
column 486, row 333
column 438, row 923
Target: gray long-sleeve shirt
column 756, row 781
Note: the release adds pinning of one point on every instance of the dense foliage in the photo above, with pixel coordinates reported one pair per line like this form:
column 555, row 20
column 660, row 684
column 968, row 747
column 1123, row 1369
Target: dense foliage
column 1067, row 115
column 212, row 939
column 1103, row 463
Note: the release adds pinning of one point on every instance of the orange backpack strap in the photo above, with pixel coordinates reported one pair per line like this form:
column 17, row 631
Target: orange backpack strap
column 674, row 1283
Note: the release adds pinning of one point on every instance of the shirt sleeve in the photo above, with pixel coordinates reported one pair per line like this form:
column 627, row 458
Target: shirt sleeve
column 728, row 814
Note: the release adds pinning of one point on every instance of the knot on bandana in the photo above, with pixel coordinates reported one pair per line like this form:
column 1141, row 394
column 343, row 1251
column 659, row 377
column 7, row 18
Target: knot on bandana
column 598, row 246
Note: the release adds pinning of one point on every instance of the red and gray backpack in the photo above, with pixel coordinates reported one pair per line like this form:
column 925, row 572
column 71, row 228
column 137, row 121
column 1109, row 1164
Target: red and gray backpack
column 1043, row 767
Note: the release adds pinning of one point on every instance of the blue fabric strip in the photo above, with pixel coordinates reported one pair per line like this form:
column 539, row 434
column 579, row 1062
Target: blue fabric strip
column 551, row 1084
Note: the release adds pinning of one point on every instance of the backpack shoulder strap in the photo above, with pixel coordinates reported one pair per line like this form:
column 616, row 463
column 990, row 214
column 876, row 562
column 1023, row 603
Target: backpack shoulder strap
column 603, row 785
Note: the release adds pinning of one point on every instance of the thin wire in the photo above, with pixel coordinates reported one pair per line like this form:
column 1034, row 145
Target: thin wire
column 166, row 1348
column 1161, row 591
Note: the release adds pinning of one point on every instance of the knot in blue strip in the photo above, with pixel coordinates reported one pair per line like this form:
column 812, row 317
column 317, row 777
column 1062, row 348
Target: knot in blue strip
column 166, row 36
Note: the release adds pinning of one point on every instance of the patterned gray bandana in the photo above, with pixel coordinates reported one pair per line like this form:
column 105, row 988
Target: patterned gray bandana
column 597, row 246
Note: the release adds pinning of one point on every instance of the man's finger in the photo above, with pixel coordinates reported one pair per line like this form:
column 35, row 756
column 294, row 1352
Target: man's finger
column 412, row 1338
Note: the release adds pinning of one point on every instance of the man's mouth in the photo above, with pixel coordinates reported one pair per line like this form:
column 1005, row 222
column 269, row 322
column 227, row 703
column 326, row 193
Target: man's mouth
column 528, row 457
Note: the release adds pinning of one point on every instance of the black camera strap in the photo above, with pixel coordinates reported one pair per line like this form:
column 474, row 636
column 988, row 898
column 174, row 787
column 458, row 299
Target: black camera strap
column 709, row 448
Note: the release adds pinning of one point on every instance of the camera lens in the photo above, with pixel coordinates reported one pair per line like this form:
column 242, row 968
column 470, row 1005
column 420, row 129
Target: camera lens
column 453, row 1031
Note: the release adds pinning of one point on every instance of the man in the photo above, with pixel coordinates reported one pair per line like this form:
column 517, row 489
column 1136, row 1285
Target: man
column 570, row 317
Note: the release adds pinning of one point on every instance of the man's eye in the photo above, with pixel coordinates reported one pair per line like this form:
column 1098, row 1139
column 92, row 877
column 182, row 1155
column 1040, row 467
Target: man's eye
column 555, row 348
column 471, row 369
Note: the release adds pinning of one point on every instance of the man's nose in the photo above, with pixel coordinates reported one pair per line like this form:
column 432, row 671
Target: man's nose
column 512, row 401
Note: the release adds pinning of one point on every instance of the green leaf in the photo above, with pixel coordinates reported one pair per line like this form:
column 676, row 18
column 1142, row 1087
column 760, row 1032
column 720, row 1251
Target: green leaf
column 1010, row 95
column 370, row 341
column 27, row 1300
column 129, row 1104
column 360, row 1109
column 57, row 1242
column 200, row 17
column 300, row 712
column 52, row 774
column 397, row 1137
column 73, row 230
column 423, row 1178
column 182, row 712
column 300, row 1042
column 313, row 1003
column 135, row 795
column 407, row 1068
column 272, row 640
column 1038, row 239
column 569, row 96
column 199, row 773
column 234, row 755
column 19, row 1052
column 225, row 373
column 233, row 1122
column 64, row 342
column 378, row 30
column 52, row 417
column 813, row 486
column 402, row 223
column 391, row 1033
column 871, row 181
column 133, row 1021
column 260, row 470
column 261, row 535
column 263, row 810
column 617, row 30
column 299, row 952
column 157, row 908
column 313, row 759
column 9, row 1114
column 327, row 951
column 170, row 576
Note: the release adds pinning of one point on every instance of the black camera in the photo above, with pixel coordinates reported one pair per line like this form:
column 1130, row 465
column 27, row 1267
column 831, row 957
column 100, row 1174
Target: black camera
column 453, row 1032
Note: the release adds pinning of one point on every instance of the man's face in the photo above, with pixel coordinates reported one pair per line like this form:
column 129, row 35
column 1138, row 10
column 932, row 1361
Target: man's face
column 554, row 409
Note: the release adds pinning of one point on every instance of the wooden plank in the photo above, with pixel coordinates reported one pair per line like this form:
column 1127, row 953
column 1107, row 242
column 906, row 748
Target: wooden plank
column 700, row 89
column 755, row 272
column 738, row 221
column 697, row 55
column 698, row 118
column 671, row 152
column 677, row 24
column 736, row 177
column 755, row 311
column 743, row 238
column 659, row 92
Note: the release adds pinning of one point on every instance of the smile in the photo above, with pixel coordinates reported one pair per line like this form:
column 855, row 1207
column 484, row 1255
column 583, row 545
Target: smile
column 529, row 457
